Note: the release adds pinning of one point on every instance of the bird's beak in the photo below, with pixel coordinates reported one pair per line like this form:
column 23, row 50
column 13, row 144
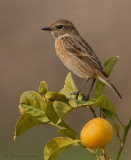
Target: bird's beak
column 46, row 29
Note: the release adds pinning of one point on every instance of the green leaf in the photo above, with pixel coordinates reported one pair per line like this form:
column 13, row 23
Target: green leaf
column 62, row 109
column 43, row 89
column 55, row 117
column 67, row 131
column 102, row 102
column 108, row 66
column 33, row 104
column 69, row 87
column 108, row 114
column 69, row 83
column 116, row 127
column 53, row 96
column 51, row 113
column 56, row 146
column 24, row 123
column 64, row 128
column 79, row 103
column 99, row 88
column 33, row 99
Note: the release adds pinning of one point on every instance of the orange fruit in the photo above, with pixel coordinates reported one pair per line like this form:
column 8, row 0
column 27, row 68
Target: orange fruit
column 96, row 133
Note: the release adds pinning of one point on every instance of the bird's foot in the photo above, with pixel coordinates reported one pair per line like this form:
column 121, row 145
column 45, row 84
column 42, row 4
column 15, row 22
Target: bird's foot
column 85, row 98
column 76, row 93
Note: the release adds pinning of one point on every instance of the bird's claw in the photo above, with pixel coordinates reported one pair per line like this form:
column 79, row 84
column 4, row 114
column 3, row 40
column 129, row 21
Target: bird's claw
column 85, row 98
column 76, row 93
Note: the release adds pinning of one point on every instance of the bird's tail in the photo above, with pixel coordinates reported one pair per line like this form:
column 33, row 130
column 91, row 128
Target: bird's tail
column 106, row 81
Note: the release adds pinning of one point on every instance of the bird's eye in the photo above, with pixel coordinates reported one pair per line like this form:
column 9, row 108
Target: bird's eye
column 60, row 26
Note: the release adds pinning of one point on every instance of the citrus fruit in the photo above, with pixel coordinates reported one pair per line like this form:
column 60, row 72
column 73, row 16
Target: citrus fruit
column 96, row 133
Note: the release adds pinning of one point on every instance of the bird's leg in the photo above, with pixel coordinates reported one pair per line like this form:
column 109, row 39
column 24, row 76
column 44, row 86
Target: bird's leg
column 77, row 93
column 86, row 98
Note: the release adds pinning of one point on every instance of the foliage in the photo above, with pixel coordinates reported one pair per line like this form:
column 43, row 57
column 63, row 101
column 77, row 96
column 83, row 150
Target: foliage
column 47, row 107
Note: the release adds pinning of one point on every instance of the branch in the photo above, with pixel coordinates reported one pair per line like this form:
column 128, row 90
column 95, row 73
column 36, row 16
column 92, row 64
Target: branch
column 120, row 121
column 126, row 129
column 93, row 111
column 106, row 154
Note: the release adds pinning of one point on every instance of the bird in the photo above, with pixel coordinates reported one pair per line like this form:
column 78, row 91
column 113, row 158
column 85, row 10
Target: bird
column 77, row 55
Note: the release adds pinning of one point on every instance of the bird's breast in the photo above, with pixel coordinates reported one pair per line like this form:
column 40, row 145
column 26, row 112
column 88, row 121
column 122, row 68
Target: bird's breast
column 72, row 62
column 61, row 52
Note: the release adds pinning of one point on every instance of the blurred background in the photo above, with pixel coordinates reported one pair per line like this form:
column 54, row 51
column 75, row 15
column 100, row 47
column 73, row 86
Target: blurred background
column 27, row 56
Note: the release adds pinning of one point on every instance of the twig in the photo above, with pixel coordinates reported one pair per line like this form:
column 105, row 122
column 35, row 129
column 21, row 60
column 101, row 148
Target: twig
column 120, row 121
column 94, row 153
column 126, row 129
column 106, row 154
column 90, row 150
column 57, row 126
column 118, row 135
column 93, row 111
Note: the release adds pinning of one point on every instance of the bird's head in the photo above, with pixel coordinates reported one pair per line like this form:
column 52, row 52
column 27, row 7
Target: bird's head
column 60, row 28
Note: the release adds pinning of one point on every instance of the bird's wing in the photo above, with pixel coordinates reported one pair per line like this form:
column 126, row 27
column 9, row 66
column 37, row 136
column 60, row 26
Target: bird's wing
column 79, row 48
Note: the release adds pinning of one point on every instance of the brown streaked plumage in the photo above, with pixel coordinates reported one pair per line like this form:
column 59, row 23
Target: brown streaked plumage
column 77, row 55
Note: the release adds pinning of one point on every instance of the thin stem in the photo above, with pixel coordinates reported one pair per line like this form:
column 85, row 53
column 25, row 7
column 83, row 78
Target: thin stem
column 106, row 154
column 126, row 129
column 55, row 125
column 94, row 153
column 91, row 151
column 120, row 121
column 93, row 111
column 118, row 135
